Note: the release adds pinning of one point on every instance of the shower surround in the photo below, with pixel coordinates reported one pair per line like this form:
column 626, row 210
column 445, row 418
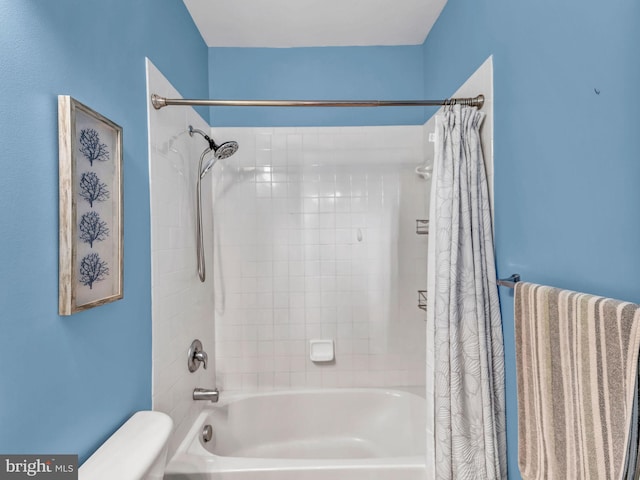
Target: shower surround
column 314, row 234
column 314, row 238
column 182, row 307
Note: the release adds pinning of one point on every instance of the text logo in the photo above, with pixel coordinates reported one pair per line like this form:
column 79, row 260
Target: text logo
column 49, row 467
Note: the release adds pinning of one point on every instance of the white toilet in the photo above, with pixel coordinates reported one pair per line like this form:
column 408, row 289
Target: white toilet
column 136, row 451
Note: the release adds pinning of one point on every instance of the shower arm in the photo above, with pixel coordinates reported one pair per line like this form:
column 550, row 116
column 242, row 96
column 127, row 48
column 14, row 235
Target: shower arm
column 159, row 102
column 212, row 144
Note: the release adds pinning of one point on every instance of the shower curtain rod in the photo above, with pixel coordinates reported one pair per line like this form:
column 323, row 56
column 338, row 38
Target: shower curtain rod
column 158, row 102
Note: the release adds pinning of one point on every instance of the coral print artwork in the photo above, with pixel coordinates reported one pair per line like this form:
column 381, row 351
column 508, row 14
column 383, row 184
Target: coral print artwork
column 90, row 208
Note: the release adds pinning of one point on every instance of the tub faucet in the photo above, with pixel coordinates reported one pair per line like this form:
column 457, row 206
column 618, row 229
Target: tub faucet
column 206, row 394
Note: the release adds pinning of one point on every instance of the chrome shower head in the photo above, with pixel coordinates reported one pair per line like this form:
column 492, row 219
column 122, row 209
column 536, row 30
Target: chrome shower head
column 220, row 152
column 225, row 150
column 212, row 161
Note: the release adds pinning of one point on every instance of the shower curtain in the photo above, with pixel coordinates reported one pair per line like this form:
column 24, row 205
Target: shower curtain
column 463, row 309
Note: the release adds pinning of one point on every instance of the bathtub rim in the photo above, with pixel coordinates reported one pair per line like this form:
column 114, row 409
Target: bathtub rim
column 192, row 457
column 227, row 397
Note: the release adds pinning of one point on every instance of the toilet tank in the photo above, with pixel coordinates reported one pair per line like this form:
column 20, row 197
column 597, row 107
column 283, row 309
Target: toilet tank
column 136, row 451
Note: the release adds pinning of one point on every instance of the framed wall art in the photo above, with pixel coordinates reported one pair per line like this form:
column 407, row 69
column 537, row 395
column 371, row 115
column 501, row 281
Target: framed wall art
column 91, row 210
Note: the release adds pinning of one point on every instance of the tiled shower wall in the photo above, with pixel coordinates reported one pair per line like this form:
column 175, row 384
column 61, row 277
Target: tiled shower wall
column 182, row 307
column 315, row 239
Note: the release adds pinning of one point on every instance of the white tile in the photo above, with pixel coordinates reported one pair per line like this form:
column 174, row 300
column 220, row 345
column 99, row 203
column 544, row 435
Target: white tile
column 343, row 204
column 263, row 141
column 281, row 315
column 314, row 330
column 265, row 381
column 329, row 331
column 297, row 363
column 311, row 220
column 311, row 205
column 327, row 237
column 296, row 268
column 263, row 159
column 280, row 270
column 314, row 379
column 311, row 237
column 279, row 190
column 298, row 347
column 249, row 382
column 327, row 253
column 294, row 142
column 298, row 379
column 313, row 299
column 312, row 284
column 312, row 267
column 281, row 380
column 306, row 271
column 313, row 315
column 296, row 300
column 280, row 332
column 263, row 190
column 327, row 204
column 296, row 331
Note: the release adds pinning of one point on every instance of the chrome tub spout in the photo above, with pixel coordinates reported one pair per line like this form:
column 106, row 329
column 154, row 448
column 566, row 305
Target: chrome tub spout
column 206, row 394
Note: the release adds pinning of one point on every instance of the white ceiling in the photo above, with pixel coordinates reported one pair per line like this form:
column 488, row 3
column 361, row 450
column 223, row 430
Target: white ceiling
column 313, row 23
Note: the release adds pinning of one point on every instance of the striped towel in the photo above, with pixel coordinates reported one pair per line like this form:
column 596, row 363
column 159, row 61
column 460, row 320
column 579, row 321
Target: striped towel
column 577, row 365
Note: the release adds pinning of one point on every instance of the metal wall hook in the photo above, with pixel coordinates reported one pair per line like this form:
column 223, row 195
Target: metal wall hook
column 422, row 300
column 422, row 227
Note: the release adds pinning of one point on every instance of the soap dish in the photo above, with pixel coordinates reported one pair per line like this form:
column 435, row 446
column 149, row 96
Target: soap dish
column 321, row 350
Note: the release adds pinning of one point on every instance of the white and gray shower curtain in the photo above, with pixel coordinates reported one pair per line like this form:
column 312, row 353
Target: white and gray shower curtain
column 463, row 308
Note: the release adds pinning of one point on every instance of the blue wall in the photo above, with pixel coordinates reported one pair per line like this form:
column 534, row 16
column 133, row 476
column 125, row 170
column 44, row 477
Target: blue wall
column 69, row 382
column 327, row 73
column 567, row 158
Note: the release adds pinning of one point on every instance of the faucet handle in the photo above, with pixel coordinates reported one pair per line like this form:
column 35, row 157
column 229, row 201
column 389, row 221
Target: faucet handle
column 201, row 356
column 196, row 355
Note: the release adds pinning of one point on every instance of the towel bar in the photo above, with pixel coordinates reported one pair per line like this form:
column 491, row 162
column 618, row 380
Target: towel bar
column 509, row 282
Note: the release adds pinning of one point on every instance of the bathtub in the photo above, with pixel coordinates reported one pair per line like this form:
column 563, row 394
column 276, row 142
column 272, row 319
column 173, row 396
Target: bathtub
column 352, row 434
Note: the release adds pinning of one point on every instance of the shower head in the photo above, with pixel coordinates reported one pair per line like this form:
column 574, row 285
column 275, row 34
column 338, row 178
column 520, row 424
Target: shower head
column 212, row 161
column 225, row 150
column 220, row 152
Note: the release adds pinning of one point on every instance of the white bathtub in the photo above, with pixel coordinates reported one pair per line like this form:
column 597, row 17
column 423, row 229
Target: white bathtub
column 354, row 434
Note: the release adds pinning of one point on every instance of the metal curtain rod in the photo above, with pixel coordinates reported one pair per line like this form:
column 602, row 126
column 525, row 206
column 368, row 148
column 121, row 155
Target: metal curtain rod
column 158, row 102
